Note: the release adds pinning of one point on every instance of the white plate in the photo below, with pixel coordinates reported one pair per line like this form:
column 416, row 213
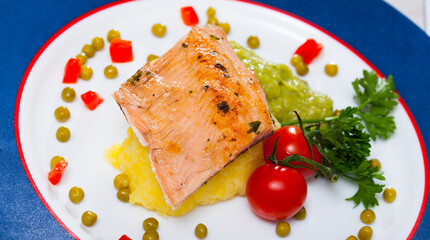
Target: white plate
column 329, row 215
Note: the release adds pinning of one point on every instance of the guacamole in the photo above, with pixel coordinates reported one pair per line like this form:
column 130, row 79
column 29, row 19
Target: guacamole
column 285, row 93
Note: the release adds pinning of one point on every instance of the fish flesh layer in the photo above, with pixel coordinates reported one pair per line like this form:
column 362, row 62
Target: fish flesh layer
column 198, row 107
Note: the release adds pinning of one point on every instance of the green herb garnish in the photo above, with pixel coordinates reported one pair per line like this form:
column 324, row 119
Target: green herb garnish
column 344, row 142
column 376, row 99
column 253, row 126
column 214, row 37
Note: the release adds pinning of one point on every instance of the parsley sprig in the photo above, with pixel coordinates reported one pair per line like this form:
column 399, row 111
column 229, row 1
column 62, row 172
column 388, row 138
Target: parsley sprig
column 344, row 142
column 377, row 99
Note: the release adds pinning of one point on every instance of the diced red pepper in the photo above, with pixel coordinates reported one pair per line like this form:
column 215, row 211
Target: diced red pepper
column 121, row 50
column 124, row 237
column 189, row 16
column 309, row 50
column 72, row 71
column 91, row 99
column 56, row 173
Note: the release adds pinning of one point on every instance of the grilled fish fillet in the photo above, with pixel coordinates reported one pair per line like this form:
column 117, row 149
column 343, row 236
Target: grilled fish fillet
column 198, row 107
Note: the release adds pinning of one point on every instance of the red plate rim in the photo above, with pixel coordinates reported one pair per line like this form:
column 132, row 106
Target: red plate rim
column 67, row 26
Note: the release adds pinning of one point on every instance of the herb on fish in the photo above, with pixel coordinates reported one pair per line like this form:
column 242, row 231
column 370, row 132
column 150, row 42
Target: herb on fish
column 237, row 95
column 185, row 45
column 218, row 65
column 205, row 87
column 148, row 73
column 345, row 144
column 191, row 91
column 223, row 106
column 135, row 77
column 225, row 75
column 254, row 126
column 199, row 56
column 214, row 37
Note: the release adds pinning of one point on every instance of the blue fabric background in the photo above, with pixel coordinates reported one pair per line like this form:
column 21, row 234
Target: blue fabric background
column 384, row 36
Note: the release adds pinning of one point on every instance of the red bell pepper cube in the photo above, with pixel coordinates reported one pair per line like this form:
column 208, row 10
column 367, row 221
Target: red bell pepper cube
column 309, row 50
column 189, row 16
column 91, row 99
column 72, row 71
column 56, row 173
column 121, row 51
column 124, row 237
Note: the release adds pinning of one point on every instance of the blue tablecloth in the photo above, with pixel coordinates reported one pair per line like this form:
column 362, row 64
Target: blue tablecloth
column 388, row 39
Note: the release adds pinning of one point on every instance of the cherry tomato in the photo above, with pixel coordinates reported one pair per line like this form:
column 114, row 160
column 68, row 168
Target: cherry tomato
column 56, row 173
column 72, row 71
column 309, row 50
column 91, row 99
column 291, row 141
column 276, row 192
column 189, row 16
column 121, row 50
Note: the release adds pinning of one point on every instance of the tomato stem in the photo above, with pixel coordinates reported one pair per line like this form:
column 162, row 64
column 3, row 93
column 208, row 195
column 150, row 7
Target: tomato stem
column 326, row 171
column 327, row 119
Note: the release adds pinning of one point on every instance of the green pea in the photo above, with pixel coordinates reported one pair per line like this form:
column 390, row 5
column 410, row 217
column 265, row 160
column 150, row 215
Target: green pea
column 89, row 218
column 253, row 42
column 337, row 112
column 375, row 163
column 352, row 237
column 301, row 214
column 82, row 57
column 68, row 94
column 150, row 224
column 123, row 194
column 331, row 69
column 283, row 229
column 121, row 181
column 151, row 235
column 62, row 114
column 63, row 134
column 76, row 194
column 389, row 195
column 55, row 160
column 110, row 72
column 98, row 43
column 201, row 231
column 365, row 233
column 302, row 69
column 225, row 27
column 113, row 34
column 159, row 30
column 86, row 72
column 152, row 57
column 211, row 12
column 213, row 21
column 367, row 216
column 88, row 50
column 296, row 59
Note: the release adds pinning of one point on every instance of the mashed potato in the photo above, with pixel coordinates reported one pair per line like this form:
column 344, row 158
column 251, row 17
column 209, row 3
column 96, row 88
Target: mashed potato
column 131, row 158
